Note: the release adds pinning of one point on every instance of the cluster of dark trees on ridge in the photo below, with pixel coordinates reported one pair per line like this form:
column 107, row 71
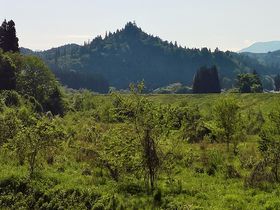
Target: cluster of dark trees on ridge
column 131, row 55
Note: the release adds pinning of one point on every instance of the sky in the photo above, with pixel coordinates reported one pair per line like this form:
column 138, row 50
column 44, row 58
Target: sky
column 226, row 24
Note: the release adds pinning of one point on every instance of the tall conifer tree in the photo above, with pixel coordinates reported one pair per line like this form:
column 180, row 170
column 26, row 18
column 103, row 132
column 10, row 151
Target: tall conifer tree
column 8, row 38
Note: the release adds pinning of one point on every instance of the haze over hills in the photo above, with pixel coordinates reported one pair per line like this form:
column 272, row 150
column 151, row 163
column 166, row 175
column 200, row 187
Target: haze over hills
column 262, row 47
column 131, row 55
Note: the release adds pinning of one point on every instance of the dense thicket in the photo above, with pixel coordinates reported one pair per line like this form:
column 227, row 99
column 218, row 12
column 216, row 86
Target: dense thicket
column 28, row 75
column 131, row 55
column 206, row 80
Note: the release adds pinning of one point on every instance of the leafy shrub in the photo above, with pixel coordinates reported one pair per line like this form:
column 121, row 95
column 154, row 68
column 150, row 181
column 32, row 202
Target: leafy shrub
column 157, row 196
column 272, row 204
column 231, row 172
column 98, row 206
column 12, row 98
column 190, row 157
column 130, row 187
column 216, row 158
column 260, row 175
column 247, row 157
column 234, row 202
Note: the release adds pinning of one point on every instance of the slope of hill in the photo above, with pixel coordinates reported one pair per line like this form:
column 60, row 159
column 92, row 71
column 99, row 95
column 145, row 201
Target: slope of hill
column 131, row 55
column 263, row 47
column 270, row 60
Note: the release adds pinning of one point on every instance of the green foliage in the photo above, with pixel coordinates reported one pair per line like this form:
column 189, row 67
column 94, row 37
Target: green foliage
column 30, row 77
column 254, row 121
column 249, row 83
column 39, row 136
column 269, row 144
column 11, row 98
column 191, row 123
column 228, row 121
column 7, row 72
column 36, row 80
column 9, row 125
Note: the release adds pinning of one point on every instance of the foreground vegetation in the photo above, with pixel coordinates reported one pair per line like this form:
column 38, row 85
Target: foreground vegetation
column 141, row 152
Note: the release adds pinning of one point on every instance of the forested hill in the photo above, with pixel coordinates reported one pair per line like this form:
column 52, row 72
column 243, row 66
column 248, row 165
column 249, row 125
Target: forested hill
column 130, row 55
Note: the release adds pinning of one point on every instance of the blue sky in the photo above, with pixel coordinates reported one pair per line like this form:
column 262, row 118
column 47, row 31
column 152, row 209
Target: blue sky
column 227, row 24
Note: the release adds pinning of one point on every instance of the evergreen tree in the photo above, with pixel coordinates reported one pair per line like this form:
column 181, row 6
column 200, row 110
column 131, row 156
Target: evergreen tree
column 206, row 80
column 277, row 82
column 8, row 38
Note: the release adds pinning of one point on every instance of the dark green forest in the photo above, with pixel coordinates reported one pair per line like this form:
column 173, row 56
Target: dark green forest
column 131, row 55
column 62, row 148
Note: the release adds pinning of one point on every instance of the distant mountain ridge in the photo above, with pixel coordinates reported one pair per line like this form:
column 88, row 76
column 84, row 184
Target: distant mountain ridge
column 131, row 55
column 262, row 47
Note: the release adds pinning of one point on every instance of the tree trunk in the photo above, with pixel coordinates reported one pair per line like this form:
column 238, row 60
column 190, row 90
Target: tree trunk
column 32, row 163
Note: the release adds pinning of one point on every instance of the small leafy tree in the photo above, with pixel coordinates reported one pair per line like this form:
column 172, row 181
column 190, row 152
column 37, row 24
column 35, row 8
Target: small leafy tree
column 192, row 127
column 117, row 151
column 9, row 124
column 269, row 144
column 144, row 119
column 150, row 126
column 228, row 121
column 35, row 79
column 36, row 139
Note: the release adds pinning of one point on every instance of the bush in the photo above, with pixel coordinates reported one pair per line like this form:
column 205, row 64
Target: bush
column 260, row 175
column 272, row 205
column 12, row 98
column 157, row 196
column 234, row 202
column 231, row 172
column 247, row 157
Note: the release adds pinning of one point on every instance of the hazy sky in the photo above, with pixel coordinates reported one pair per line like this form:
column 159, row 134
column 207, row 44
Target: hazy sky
column 227, row 24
